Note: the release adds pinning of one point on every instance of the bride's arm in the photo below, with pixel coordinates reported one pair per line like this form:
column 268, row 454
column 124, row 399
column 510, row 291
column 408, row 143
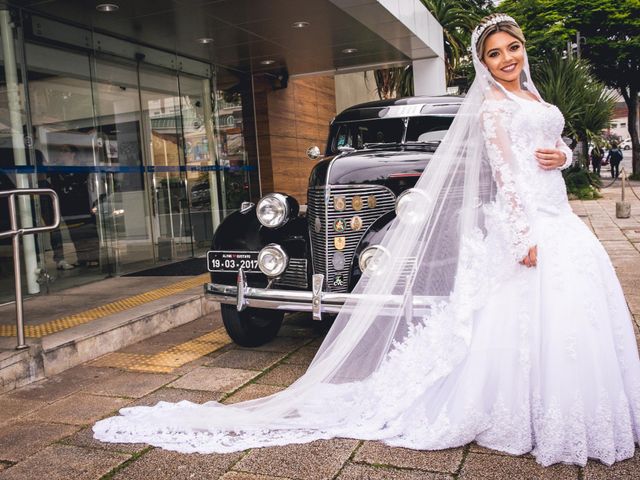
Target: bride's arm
column 560, row 157
column 564, row 148
column 494, row 119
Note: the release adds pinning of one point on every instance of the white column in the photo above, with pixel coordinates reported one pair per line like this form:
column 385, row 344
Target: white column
column 429, row 76
column 19, row 156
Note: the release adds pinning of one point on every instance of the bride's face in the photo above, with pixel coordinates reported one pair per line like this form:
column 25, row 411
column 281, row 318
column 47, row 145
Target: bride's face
column 504, row 57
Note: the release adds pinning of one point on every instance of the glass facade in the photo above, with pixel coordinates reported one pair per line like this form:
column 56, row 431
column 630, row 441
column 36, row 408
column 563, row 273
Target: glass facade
column 146, row 158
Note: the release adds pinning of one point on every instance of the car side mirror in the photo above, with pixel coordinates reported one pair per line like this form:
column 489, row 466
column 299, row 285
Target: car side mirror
column 314, row 153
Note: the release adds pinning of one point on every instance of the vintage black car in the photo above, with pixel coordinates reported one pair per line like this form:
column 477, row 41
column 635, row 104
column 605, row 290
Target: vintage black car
column 276, row 257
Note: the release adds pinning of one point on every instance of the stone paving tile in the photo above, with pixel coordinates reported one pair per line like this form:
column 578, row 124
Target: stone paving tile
column 19, row 440
column 446, row 461
column 367, row 472
column 475, row 448
column 189, row 366
column 482, row 466
column 84, row 438
column 251, row 392
column 302, row 356
column 79, row 409
column 246, row 360
column 279, row 344
column 184, row 333
column 168, row 394
column 316, row 342
column 63, row 384
column 296, row 330
column 282, row 375
column 164, row 465
column 627, row 469
column 214, row 379
column 634, row 303
column 12, row 408
column 65, row 462
column 248, row 476
column 144, row 348
column 130, row 384
column 321, row 459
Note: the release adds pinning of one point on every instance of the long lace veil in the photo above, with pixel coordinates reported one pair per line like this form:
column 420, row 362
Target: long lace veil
column 432, row 272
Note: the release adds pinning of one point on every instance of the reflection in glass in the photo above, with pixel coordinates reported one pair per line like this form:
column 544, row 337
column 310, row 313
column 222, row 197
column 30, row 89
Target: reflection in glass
column 232, row 153
column 146, row 161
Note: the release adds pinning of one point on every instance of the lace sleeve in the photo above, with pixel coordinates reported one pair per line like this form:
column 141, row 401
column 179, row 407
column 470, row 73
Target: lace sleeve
column 564, row 148
column 494, row 119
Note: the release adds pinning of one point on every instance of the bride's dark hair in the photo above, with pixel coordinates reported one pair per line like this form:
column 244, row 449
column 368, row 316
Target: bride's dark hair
column 496, row 22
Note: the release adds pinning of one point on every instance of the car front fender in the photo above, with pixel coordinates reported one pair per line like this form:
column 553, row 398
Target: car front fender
column 243, row 231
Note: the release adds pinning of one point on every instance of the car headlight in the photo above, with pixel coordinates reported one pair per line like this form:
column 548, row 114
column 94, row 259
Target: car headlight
column 412, row 205
column 272, row 260
column 374, row 259
column 275, row 209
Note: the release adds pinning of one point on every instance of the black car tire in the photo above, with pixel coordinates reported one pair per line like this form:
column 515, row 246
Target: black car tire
column 251, row 327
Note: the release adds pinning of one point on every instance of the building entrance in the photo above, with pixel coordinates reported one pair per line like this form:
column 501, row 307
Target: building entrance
column 133, row 150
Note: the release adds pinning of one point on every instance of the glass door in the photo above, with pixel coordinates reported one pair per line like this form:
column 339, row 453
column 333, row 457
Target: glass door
column 160, row 106
column 122, row 206
column 62, row 143
column 202, row 168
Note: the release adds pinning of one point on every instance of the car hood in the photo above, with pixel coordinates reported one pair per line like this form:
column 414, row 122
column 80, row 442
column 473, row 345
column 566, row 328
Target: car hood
column 380, row 167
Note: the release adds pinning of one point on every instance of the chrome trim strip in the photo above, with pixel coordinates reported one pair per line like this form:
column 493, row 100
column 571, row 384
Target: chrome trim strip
column 302, row 301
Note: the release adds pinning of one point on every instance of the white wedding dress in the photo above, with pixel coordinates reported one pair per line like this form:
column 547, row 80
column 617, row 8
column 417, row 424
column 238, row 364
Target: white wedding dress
column 551, row 364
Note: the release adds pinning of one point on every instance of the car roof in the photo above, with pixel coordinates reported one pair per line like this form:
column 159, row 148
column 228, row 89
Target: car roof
column 422, row 99
column 445, row 105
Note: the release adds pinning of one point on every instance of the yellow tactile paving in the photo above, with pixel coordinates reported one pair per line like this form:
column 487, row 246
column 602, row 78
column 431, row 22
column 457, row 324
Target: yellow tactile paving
column 81, row 318
column 167, row 360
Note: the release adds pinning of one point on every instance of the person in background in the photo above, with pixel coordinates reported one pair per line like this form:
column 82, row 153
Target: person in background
column 71, row 185
column 596, row 159
column 614, row 157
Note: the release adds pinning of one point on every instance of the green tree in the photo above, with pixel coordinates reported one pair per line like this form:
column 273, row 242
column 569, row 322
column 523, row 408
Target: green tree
column 586, row 103
column 611, row 31
column 457, row 19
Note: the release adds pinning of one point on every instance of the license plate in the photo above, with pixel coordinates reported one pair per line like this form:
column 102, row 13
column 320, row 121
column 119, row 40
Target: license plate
column 232, row 261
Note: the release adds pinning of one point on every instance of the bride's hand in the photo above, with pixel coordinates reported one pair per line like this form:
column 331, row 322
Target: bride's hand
column 531, row 260
column 550, row 158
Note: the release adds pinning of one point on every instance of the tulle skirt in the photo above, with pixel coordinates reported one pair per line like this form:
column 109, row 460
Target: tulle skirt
column 551, row 368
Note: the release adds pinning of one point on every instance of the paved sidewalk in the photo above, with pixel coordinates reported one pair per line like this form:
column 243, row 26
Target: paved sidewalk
column 45, row 428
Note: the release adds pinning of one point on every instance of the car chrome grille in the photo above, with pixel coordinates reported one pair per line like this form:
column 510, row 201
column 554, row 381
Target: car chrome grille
column 295, row 275
column 322, row 242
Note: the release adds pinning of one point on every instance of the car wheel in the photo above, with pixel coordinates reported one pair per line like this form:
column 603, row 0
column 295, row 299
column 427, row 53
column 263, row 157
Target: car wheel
column 251, row 327
column 627, row 147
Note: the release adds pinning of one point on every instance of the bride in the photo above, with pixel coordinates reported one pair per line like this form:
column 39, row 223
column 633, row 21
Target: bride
column 492, row 314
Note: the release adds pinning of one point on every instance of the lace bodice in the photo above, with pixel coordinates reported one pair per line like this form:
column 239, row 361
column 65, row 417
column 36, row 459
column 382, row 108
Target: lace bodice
column 513, row 130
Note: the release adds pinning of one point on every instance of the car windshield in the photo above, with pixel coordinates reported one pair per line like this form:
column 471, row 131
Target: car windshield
column 425, row 129
column 357, row 134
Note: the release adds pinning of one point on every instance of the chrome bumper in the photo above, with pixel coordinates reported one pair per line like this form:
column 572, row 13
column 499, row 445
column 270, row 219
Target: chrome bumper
column 316, row 301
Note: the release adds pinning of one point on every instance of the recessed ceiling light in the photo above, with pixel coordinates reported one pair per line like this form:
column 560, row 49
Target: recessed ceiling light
column 107, row 7
column 350, row 50
column 205, row 40
column 267, row 62
column 300, row 24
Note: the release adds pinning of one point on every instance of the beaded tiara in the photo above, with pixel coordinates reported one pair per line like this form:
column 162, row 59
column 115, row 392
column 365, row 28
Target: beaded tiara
column 500, row 18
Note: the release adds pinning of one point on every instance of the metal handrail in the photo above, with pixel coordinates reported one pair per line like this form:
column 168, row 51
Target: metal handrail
column 15, row 233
